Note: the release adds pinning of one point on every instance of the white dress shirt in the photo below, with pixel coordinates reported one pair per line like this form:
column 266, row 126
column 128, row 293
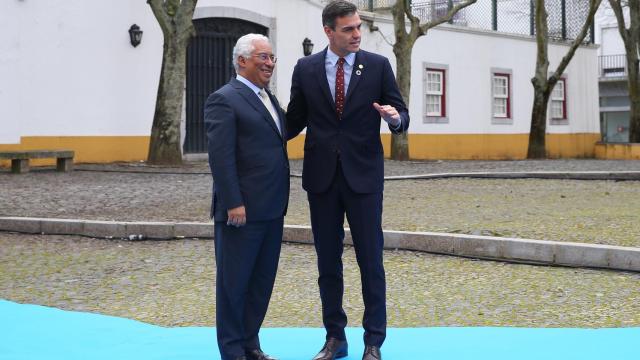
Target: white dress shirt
column 265, row 101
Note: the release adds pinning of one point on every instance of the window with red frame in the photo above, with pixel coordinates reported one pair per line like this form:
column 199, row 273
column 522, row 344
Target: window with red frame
column 501, row 95
column 559, row 101
column 436, row 93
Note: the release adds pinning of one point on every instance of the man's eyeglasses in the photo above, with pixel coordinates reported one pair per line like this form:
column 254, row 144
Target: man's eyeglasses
column 264, row 57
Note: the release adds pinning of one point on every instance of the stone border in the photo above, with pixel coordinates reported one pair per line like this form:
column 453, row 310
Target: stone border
column 560, row 175
column 483, row 247
column 617, row 151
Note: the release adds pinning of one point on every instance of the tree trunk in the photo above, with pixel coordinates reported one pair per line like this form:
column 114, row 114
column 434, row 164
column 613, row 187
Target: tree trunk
column 634, row 96
column 537, row 141
column 165, row 135
column 402, row 49
column 631, row 39
column 174, row 18
column 543, row 84
column 400, row 142
column 631, row 42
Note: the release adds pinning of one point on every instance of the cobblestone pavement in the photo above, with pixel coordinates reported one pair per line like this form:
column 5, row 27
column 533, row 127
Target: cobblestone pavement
column 603, row 212
column 171, row 283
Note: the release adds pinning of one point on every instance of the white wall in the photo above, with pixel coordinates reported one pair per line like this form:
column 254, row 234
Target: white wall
column 67, row 67
column 606, row 29
column 10, row 72
column 296, row 20
column 470, row 56
column 611, row 41
column 73, row 70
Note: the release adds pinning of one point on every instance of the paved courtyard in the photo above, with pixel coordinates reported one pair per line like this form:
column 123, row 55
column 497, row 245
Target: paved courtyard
column 602, row 212
column 171, row 282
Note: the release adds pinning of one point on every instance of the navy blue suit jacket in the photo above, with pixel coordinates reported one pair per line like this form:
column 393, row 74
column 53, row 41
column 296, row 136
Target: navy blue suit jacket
column 355, row 138
column 247, row 154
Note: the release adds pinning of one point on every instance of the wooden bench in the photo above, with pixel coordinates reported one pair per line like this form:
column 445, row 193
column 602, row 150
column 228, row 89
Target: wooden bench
column 20, row 159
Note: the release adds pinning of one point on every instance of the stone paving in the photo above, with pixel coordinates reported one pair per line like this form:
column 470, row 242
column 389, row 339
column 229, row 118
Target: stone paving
column 601, row 212
column 171, row 282
column 394, row 168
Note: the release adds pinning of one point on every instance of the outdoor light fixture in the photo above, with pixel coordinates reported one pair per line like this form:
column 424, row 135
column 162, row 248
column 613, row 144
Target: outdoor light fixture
column 307, row 47
column 135, row 35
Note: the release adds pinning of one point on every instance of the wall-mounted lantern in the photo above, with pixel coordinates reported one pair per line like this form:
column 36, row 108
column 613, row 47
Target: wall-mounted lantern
column 135, row 35
column 307, row 47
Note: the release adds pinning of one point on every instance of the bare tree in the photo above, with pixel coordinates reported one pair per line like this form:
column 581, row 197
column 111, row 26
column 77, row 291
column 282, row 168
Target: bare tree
column 403, row 48
column 543, row 84
column 174, row 17
column 631, row 38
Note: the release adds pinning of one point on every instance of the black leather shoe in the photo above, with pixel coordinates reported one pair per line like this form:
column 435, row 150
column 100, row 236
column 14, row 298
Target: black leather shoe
column 371, row 353
column 333, row 349
column 257, row 354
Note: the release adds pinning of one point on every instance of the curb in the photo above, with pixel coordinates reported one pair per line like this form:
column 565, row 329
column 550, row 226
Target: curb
column 482, row 247
column 557, row 175
column 564, row 175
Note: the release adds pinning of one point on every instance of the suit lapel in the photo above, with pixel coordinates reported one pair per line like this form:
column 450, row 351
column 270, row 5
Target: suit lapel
column 256, row 103
column 281, row 116
column 356, row 74
column 321, row 76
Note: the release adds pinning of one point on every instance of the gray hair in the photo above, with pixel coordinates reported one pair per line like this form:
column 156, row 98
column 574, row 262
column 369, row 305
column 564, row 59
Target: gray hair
column 244, row 47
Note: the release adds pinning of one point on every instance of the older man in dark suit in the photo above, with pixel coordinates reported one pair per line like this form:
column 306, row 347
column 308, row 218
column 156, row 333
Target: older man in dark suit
column 248, row 159
column 339, row 95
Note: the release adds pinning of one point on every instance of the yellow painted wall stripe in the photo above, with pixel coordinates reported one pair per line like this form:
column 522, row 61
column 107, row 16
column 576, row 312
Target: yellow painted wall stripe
column 88, row 149
column 105, row 149
column 480, row 146
column 618, row 151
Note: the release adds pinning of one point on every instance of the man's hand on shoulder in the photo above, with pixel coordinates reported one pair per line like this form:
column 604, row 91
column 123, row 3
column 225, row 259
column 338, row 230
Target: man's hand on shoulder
column 388, row 114
column 237, row 216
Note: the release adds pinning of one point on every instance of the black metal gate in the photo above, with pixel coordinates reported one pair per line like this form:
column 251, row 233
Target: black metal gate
column 209, row 67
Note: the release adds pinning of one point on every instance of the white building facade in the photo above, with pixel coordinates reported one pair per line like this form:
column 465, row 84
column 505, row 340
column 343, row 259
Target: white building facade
column 614, row 89
column 69, row 78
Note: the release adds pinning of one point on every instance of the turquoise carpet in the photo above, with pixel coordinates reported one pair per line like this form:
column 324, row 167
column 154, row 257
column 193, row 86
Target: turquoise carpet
column 36, row 332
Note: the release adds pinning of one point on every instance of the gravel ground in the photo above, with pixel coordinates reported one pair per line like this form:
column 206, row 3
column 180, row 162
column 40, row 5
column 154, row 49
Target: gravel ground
column 171, row 283
column 602, row 212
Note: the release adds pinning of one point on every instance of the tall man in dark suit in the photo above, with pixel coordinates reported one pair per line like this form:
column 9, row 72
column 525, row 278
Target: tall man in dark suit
column 248, row 159
column 339, row 95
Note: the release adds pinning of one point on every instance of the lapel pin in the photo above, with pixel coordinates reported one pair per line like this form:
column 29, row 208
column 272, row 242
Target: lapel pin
column 358, row 72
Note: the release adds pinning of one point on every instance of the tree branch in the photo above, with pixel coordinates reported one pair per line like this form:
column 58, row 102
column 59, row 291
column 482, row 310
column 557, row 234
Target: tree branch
column 407, row 12
column 398, row 13
column 415, row 24
column 184, row 17
column 447, row 17
column 542, row 43
column 593, row 7
column 157, row 7
column 171, row 6
column 384, row 37
column 616, row 6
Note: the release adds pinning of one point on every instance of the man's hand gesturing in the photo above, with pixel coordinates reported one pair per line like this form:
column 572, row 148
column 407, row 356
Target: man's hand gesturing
column 388, row 114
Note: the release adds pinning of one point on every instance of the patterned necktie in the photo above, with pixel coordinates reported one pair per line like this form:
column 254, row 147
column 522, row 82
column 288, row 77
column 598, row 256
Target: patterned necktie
column 269, row 105
column 340, row 88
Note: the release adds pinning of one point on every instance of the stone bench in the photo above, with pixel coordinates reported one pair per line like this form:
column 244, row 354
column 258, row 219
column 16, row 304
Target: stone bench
column 20, row 159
